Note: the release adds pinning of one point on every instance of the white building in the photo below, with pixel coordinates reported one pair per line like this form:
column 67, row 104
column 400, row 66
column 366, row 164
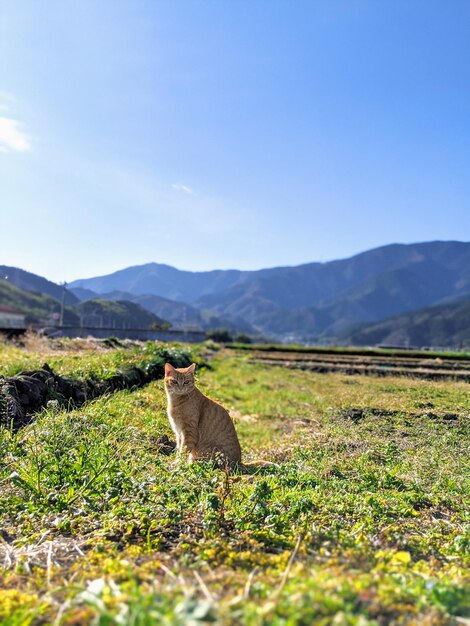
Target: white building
column 11, row 318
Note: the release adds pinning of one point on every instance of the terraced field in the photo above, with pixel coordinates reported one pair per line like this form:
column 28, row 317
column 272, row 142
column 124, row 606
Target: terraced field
column 429, row 367
column 364, row 519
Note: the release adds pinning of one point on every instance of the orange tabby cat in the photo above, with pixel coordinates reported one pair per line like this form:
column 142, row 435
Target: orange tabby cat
column 202, row 427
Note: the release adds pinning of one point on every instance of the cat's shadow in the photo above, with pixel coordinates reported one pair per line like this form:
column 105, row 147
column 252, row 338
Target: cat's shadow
column 251, row 470
column 168, row 447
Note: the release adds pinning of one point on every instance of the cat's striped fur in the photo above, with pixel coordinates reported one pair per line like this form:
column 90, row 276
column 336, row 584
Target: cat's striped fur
column 202, row 427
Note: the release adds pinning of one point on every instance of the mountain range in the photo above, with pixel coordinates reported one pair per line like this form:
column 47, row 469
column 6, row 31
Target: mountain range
column 312, row 302
column 446, row 325
column 36, row 284
column 179, row 314
column 33, row 303
column 41, row 307
column 390, row 294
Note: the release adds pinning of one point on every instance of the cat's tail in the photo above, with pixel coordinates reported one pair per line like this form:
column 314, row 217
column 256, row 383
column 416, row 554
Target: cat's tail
column 252, row 466
column 261, row 463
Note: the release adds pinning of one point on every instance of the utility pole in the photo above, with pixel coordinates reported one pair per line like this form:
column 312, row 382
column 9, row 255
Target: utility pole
column 62, row 304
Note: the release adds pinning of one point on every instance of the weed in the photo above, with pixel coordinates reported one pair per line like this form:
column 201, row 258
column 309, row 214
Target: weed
column 363, row 521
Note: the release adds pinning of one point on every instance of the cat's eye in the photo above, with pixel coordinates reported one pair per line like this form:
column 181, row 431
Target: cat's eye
column 186, row 382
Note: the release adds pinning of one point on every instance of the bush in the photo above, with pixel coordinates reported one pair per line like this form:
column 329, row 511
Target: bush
column 242, row 338
column 221, row 335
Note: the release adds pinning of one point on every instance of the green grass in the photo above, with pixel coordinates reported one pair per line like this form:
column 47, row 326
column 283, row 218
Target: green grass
column 363, row 521
column 352, row 351
column 34, row 305
column 80, row 358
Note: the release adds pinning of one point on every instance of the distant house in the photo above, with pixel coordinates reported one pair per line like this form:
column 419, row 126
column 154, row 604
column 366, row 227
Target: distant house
column 11, row 318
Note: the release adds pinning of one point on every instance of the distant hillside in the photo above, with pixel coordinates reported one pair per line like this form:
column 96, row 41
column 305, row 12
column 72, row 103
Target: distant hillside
column 32, row 282
column 365, row 288
column 161, row 280
column 83, row 294
column 36, row 306
column 446, row 326
column 311, row 302
column 318, row 301
column 179, row 314
column 41, row 307
column 117, row 314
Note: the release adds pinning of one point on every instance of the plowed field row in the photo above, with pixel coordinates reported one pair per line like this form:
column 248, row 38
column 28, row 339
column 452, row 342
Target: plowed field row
column 431, row 369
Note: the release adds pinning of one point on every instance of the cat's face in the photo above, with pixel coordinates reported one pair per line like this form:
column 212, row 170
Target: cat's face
column 179, row 381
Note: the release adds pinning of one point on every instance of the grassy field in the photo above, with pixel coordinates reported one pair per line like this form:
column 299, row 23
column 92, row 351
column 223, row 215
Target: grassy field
column 364, row 520
column 351, row 351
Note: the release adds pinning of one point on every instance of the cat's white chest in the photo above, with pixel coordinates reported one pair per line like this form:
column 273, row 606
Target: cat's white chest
column 175, row 424
column 172, row 422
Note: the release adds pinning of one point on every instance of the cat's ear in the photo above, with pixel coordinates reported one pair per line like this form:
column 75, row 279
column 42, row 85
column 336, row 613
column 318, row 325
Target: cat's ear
column 191, row 368
column 169, row 369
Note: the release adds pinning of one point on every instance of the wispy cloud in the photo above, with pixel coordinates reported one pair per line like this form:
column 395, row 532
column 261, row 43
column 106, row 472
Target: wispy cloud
column 184, row 189
column 166, row 205
column 12, row 137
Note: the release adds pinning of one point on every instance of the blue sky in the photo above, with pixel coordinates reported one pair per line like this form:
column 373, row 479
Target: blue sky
column 217, row 134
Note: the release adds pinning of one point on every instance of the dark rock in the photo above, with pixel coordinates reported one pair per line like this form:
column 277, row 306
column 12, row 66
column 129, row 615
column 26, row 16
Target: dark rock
column 21, row 396
column 26, row 393
column 165, row 445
